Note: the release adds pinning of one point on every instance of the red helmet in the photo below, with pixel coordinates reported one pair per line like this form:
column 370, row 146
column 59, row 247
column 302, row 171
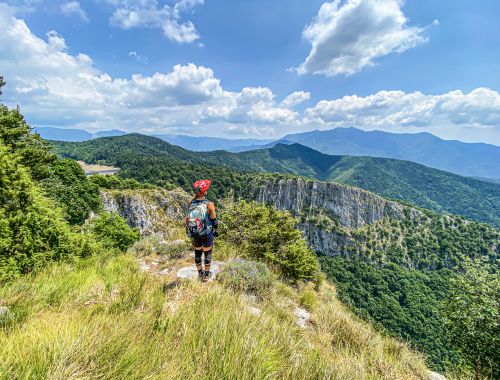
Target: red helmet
column 202, row 185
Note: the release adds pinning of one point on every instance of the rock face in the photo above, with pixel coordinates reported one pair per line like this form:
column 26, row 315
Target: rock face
column 327, row 210
column 351, row 206
column 150, row 210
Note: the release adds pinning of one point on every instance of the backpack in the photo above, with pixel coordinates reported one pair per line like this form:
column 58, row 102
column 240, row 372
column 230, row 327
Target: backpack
column 198, row 224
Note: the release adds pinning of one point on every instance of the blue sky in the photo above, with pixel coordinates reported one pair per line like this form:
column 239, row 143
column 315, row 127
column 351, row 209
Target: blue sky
column 225, row 68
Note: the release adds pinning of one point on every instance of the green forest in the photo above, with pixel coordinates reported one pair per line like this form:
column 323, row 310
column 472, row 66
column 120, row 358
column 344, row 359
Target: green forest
column 402, row 180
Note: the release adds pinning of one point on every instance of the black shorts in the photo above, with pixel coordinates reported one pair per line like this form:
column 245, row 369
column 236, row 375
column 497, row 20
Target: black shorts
column 204, row 241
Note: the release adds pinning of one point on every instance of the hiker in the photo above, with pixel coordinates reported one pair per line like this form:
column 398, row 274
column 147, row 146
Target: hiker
column 201, row 226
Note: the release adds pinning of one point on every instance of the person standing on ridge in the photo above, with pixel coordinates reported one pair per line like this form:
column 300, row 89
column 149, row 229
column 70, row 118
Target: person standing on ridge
column 201, row 227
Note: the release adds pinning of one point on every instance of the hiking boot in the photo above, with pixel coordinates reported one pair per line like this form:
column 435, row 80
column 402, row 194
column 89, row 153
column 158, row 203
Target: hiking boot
column 207, row 276
column 201, row 275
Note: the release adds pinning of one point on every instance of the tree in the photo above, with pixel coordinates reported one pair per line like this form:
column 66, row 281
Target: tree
column 473, row 317
column 2, row 83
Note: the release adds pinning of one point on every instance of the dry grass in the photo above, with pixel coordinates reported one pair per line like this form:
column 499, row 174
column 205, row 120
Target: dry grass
column 104, row 319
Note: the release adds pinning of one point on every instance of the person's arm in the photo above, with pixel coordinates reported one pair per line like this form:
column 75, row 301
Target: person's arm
column 213, row 218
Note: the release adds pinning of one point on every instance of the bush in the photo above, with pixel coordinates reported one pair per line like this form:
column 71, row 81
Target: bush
column 308, row 299
column 68, row 185
column 113, row 231
column 157, row 244
column 115, row 182
column 32, row 230
column 247, row 276
column 265, row 233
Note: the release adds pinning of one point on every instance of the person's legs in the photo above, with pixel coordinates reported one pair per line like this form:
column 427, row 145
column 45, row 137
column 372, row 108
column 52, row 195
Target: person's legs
column 197, row 258
column 207, row 250
column 197, row 255
column 208, row 257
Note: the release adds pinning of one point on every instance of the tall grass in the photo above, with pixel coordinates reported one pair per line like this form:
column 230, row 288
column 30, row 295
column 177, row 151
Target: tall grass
column 104, row 319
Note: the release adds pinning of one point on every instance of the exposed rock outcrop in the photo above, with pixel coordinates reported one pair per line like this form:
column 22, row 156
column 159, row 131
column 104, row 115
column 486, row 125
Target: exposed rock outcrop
column 351, row 206
column 329, row 211
column 150, row 210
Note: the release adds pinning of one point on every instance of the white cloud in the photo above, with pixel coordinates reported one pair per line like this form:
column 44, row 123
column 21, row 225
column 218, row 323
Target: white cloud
column 447, row 114
column 295, row 98
column 138, row 57
column 73, row 7
column 149, row 13
column 55, row 87
column 349, row 36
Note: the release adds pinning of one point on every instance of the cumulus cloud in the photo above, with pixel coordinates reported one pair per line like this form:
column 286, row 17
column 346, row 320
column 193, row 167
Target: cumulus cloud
column 55, row 87
column 348, row 36
column 74, row 8
column 149, row 13
column 396, row 110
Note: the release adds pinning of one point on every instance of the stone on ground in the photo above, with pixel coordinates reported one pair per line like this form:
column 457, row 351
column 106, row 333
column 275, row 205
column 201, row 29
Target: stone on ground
column 164, row 272
column 191, row 272
column 303, row 316
column 435, row 376
column 144, row 267
column 5, row 313
column 254, row 310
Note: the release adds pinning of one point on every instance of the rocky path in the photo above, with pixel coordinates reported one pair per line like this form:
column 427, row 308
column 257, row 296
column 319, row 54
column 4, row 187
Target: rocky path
column 159, row 265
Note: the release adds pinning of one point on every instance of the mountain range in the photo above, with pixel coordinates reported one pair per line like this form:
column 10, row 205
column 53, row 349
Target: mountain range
column 150, row 159
column 467, row 159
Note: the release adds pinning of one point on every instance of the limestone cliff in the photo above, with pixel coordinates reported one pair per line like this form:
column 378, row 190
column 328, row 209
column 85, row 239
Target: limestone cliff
column 150, row 210
column 332, row 214
column 351, row 206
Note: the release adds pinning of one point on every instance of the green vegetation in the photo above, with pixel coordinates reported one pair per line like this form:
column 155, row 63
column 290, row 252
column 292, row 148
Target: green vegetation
column 151, row 160
column 421, row 249
column 264, row 233
column 112, row 231
column 32, row 231
column 118, row 183
column 39, row 195
column 169, row 165
column 396, row 273
column 308, row 298
column 472, row 312
column 103, row 318
column 158, row 244
column 247, row 276
column 68, row 185
column 82, row 310
column 425, row 241
column 404, row 302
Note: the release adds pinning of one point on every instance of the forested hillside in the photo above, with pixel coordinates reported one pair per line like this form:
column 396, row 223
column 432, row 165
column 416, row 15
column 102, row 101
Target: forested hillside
column 413, row 183
column 467, row 159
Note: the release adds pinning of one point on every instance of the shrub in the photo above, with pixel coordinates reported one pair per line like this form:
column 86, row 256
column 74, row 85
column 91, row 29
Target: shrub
column 68, row 185
column 32, row 230
column 157, row 244
column 308, row 299
column 264, row 233
column 247, row 276
column 112, row 230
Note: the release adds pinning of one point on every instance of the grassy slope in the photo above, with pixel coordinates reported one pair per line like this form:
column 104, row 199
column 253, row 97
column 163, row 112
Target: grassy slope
column 104, row 318
column 426, row 187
